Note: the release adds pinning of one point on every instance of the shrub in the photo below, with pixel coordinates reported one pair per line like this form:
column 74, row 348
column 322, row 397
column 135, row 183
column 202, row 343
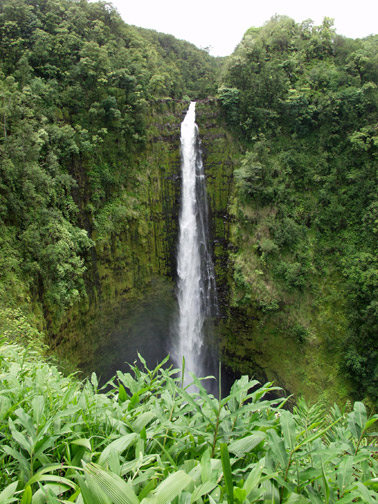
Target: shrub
column 149, row 440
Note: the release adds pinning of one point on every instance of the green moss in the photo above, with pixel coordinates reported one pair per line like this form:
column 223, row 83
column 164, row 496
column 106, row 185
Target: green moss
column 292, row 332
column 135, row 236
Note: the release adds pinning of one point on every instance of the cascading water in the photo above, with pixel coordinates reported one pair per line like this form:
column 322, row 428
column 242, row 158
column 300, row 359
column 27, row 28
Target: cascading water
column 197, row 299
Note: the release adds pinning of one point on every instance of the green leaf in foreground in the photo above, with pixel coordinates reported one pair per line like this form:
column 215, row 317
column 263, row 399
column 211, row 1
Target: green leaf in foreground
column 169, row 488
column 227, row 472
column 112, row 485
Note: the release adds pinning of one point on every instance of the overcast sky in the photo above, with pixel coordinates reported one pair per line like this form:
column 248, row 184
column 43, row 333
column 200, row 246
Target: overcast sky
column 220, row 24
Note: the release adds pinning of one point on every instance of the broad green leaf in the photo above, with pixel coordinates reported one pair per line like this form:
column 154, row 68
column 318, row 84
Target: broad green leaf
column 19, row 457
column 202, row 490
column 360, row 412
column 91, row 492
column 119, row 446
column 240, row 494
column 169, row 488
column 288, row 429
column 38, row 405
column 211, row 402
column 82, row 442
column 143, row 420
column 48, row 492
column 148, row 475
column 253, row 478
column 271, row 494
column 314, row 496
column 43, row 444
column 365, row 494
column 20, row 438
column 227, row 472
column 112, row 485
column 113, row 461
column 122, row 395
column 370, row 422
column 52, row 479
column 8, row 492
column 26, row 421
column 94, row 381
column 277, row 447
column 354, row 428
column 351, row 496
column 239, row 390
column 206, row 466
column 309, row 474
column 344, row 473
column 27, row 495
column 147, row 489
column 246, row 444
column 188, row 397
column 267, row 388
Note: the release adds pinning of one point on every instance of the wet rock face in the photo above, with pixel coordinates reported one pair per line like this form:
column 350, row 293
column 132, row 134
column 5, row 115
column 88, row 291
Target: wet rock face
column 135, row 268
column 220, row 156
column 136, row 260
column 146, row 247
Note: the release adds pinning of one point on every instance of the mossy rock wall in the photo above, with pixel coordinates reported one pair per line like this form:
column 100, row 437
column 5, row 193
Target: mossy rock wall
column 132, row 272
column 135, row 262
column 221, row 154
column 132, row 275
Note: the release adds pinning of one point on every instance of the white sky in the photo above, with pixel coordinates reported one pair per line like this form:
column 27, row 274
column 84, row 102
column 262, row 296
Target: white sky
column 221, row 24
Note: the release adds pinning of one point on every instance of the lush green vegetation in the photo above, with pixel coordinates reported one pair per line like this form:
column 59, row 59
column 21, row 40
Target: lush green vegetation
column 77, row 86
column 148, row 439
column 89, row 112
column 87, row 185
column 305, row 101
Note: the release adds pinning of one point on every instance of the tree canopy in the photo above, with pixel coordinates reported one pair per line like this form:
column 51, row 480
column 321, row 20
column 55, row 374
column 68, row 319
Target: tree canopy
column 305, row 101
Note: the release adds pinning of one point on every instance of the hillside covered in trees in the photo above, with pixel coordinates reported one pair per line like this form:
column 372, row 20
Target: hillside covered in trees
column 305, row 102
column 90, row 110
column 88, row 183
column 77, row 87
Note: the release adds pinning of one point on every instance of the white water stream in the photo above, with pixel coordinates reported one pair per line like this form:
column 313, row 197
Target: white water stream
column 196, row 280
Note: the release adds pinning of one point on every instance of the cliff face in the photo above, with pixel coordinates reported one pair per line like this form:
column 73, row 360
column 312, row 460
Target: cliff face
column 131, row 302
column 131, row 277
column 236, row 326
column 220, row 156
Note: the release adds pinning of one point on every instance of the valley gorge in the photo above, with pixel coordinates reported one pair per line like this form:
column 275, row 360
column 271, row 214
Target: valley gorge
column 188, row 262
column 91, row 192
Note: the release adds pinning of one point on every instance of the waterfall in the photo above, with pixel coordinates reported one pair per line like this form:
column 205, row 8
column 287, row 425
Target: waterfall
column 196, row 289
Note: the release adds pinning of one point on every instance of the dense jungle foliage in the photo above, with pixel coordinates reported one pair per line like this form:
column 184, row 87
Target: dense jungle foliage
column 77, row 89
column 305, row 102
column 76, row 86
column 149, row 440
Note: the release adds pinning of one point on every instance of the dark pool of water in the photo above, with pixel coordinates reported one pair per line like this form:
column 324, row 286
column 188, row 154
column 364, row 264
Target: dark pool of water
column 117, row 333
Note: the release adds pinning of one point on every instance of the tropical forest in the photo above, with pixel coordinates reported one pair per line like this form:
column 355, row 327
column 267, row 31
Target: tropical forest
column 188, row 262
